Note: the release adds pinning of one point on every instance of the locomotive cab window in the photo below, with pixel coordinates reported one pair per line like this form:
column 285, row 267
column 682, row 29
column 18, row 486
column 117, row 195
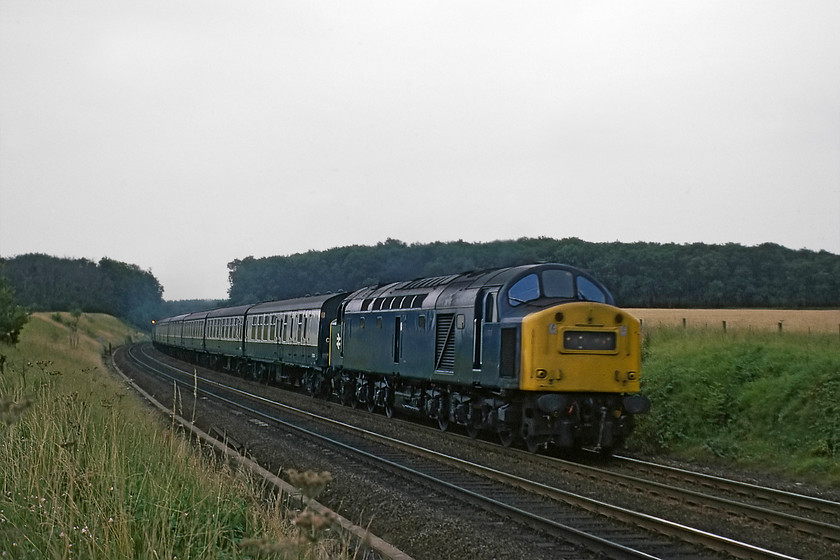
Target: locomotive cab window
column 557, row 284
column 527, row 289
column 589, row 291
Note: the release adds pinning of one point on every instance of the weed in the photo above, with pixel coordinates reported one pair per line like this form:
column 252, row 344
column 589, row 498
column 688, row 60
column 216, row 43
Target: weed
column 11, row 409
column 754, row 398
column 89, row 472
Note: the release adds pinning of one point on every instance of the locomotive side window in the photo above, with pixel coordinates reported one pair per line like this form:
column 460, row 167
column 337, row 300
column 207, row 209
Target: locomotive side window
column 490, row 308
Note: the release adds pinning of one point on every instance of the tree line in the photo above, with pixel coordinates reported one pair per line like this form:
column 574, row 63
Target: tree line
column 44, row 283
column 638, row 274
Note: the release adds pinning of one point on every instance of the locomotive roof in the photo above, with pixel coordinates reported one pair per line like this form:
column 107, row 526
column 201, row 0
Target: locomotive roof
column 477, row 279
column 446, row 290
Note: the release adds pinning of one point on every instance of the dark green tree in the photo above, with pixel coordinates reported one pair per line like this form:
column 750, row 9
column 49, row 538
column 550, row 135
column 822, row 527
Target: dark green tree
column 45, row 283
column 638, row 274
column 12, row 316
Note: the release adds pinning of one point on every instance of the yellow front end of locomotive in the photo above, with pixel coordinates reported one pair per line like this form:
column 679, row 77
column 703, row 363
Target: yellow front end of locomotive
column 581, row 347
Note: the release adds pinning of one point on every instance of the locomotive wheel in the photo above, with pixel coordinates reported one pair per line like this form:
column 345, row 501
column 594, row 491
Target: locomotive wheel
column 533, row 444
column 506, row 437
column 473, row 431
column 443, row 423
column 311, row 384
column 368, row 392
column 348, row 394
column 443, row 412
column 474, row 422
column 388, row 399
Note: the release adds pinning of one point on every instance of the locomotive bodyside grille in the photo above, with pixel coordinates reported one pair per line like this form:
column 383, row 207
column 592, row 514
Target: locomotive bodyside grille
column 445, row 342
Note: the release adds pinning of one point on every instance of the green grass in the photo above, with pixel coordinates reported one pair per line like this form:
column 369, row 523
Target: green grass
column 768, row 401
column 90, row 472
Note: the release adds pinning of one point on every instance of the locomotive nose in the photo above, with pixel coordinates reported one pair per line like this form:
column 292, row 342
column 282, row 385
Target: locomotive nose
column 582, row 347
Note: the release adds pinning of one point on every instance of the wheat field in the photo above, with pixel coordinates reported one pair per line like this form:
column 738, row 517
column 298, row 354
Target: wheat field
column 792, row 320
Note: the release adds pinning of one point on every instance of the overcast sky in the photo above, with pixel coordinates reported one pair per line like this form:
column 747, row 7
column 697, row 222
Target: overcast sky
column 180, row 135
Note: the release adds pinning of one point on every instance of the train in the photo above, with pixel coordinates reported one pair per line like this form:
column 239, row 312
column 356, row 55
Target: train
column 535, row 355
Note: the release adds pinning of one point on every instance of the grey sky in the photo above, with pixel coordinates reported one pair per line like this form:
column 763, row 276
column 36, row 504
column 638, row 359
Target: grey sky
column 180, row 135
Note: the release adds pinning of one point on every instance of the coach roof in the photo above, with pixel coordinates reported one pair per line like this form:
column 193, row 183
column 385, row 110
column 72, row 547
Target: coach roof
column 297, row 304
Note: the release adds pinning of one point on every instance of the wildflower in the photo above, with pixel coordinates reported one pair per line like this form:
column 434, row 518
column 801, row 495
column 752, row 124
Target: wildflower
column 310, row 483
column 312, row 522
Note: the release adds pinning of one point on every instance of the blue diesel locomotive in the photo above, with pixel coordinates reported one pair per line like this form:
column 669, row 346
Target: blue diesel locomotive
column 534, row 353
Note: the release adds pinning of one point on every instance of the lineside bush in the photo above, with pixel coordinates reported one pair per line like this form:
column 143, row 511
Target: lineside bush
column 89, row 472
column 761, row 400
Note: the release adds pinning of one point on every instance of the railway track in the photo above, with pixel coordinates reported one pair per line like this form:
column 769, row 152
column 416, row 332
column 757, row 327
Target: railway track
column 810, row 515
column 589, row 523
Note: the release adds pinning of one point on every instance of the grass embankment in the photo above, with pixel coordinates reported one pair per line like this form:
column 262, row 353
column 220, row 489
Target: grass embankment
column 89, row 472
column 769, row 401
